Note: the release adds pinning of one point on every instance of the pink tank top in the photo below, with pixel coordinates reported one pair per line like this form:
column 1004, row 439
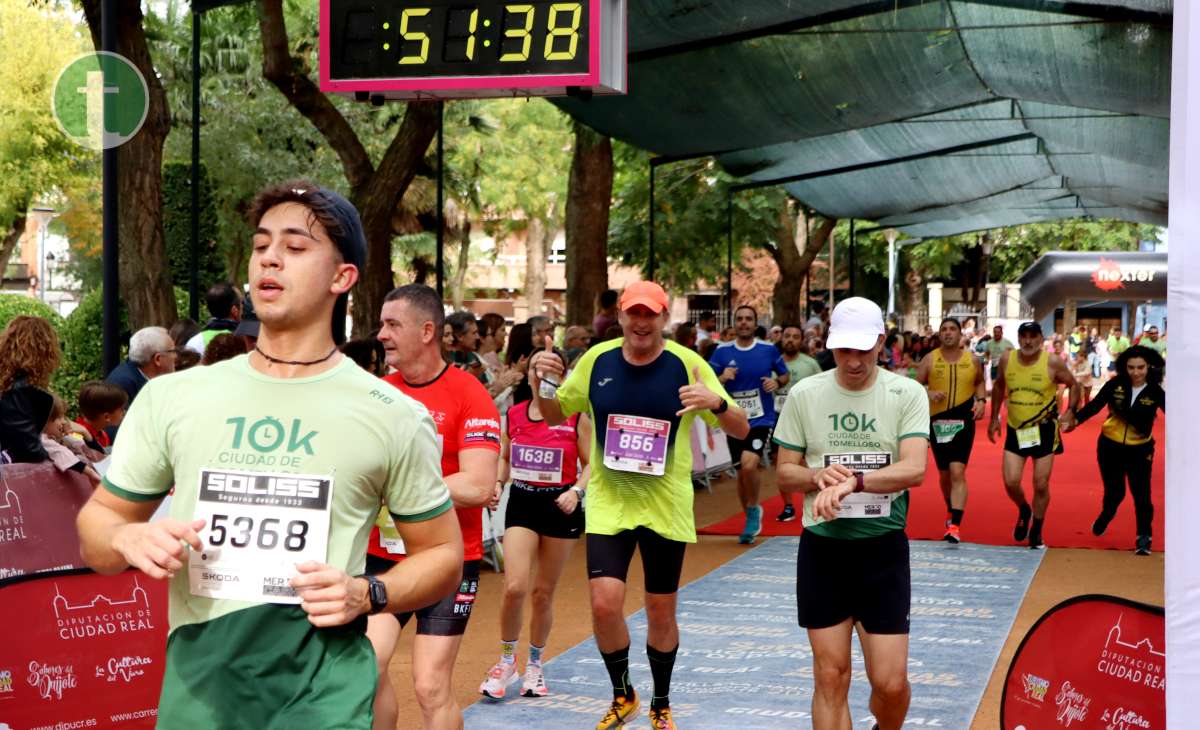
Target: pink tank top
column 542, row 455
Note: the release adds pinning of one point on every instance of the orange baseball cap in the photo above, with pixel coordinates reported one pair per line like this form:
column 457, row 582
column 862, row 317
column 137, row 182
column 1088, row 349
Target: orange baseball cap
column 646, row 293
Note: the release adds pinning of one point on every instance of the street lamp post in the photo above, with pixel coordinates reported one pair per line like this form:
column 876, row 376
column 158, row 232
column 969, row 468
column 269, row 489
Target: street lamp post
column 43, row 216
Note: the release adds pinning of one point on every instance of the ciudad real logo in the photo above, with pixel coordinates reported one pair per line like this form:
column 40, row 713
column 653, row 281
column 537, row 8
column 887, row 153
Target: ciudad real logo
column 6, row 681
column 1035, row 687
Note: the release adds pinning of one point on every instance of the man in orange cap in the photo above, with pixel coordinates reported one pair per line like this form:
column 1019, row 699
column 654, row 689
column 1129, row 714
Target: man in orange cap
column 642, row 392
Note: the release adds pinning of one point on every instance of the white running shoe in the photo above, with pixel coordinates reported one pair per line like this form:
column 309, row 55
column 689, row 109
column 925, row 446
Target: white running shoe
column 499, row 677
column 535, row 682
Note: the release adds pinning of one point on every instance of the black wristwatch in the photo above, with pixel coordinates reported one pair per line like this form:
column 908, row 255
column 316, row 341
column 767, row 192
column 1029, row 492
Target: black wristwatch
column 721, row 408
column 376, row 593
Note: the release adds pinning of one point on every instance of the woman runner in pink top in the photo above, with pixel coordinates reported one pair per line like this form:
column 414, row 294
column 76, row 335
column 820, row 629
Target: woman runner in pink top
column 542, row 522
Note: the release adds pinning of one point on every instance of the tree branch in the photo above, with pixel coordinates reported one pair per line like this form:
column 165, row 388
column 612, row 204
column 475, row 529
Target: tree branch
column 287, row 74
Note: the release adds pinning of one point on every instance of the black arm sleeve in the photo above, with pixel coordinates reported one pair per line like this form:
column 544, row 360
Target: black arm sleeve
column 20, row 430
column 1095, row 404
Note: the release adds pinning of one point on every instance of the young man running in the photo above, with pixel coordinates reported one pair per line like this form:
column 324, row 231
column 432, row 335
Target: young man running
column 957, row 399
column 1029, row 379
column 853, row 441
column 800, row 366
column 641, row 393
column 752, row 371
column 274, row 496
column 468, row 437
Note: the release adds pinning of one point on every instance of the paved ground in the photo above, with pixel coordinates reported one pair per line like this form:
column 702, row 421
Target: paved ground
column 1063, row 573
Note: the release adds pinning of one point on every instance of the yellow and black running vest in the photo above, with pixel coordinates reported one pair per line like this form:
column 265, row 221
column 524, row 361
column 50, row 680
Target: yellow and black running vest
column 956, row 380
column 1032, row 393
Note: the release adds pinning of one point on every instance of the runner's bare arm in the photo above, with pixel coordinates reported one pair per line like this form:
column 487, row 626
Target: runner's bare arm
column 431, row 570
column 545, row 362
column 999, row 390
column 793, row 472
column 114, row 534
column 980, row 389
column 906, row 473
column 502, row 470
column 472, row 485
column 696, row 396
column 1062, row 375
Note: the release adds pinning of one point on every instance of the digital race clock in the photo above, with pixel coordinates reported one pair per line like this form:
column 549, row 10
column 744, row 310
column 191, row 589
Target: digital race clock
column 407, row 49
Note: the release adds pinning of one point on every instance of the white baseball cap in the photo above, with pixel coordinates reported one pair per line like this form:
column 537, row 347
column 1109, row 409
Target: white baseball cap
column 856, row 324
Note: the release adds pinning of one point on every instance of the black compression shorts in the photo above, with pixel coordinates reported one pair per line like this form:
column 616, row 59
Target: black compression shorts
column 758, row 437
column 1050, row 441
column 958, row 447
column 534, row 509
column 608, row 556
column 447, row 617
column 865, row 579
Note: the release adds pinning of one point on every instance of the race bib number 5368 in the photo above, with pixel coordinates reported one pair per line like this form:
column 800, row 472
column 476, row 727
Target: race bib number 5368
column 258, row 526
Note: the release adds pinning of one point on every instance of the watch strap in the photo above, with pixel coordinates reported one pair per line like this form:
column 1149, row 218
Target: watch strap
column 376, row 593
column 721, row 408
column 859, row 484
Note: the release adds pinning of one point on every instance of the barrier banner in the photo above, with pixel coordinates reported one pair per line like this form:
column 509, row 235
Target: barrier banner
column 1090, row 662
column 81, row 650
column 38, row 505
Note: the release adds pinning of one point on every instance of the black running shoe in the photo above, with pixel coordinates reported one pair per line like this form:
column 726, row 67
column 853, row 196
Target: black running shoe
column 1143, row 545
column 787, row 515
column 1021, row 531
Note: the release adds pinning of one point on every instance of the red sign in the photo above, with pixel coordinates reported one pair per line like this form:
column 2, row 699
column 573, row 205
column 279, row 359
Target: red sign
column 83, row 650
column 38, row 505
column 1092, row 662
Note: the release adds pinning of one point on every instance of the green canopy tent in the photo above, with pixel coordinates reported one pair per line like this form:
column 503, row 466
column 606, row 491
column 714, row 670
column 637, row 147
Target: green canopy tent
column 937, row 117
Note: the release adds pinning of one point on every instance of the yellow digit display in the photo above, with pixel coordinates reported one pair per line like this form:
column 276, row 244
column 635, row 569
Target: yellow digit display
column 423, row 38
column 471, row 40
column 557, row 31
column 523, row 33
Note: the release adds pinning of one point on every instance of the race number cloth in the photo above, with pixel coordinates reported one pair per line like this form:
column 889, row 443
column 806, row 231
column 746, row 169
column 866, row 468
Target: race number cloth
column 541, row 455
column 760, row 360
column 863, row 504
column 260, row 527
column 379, row 447
column 606, row 385
column 944, row 431
column 465, row 418
column 750, row 401
column 826, row 422
column 1090, row 662
column 636, row 444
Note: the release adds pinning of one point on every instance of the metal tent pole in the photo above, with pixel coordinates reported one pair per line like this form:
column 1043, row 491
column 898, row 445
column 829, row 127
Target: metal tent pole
column 194, row 267
column 111, row 280
column 441, row 193
column 650, row 265
column 853, row 257
column 729, row 253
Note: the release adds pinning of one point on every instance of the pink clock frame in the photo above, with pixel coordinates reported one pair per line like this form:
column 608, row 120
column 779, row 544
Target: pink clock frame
column 444, row 87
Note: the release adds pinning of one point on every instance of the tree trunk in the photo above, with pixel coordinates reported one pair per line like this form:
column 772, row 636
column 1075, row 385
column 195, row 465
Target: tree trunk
column 375, row 191
column 422, row 268
column 798, row 241
column 589, row 196
column 535, row 264
column 463, row 234
column 10, row 243
column 145, row 279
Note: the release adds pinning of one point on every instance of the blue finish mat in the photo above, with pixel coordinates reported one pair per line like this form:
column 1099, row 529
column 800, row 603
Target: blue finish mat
column 743, row 662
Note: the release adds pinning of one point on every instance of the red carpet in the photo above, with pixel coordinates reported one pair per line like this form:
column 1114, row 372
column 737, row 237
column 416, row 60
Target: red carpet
column 1075, row 494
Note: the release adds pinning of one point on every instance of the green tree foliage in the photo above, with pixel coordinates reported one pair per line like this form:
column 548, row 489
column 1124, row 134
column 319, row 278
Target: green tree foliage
column 691, row 238
column 177, row 227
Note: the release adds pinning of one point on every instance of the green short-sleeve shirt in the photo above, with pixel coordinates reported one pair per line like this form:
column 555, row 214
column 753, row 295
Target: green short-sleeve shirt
column 822, row 419
column 378, row 445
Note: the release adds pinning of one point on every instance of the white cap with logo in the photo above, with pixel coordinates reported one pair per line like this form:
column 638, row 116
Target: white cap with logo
column 856, row 324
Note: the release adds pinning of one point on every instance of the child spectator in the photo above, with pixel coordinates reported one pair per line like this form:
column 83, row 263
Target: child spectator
column 64, row 445
column 101, row 405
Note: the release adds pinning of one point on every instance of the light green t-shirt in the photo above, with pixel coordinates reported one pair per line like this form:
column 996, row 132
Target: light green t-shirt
column 821, row 419
column 1117, row 345
column 1160, row 347
column 799, row 369
column 377, row 445
column 611, row 390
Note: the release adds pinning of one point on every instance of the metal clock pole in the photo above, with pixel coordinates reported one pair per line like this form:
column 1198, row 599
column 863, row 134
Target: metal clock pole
column 441, row 191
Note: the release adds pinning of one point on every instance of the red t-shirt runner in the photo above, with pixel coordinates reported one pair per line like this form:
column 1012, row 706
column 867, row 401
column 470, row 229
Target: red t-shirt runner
column 466, row 418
